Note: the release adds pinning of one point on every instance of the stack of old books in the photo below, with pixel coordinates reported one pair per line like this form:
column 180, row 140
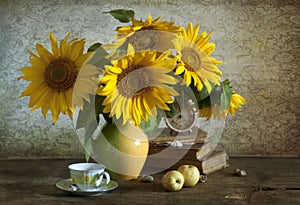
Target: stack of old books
column 196, row 150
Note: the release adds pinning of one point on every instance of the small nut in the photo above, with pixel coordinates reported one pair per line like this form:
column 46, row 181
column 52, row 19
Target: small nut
column 241, row 172
column 147, row 178
column 203, row 178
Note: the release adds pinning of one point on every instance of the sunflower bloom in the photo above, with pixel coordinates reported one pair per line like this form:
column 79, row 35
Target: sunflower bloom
column 151, row 34
column 236, row 103
column 137, row 84
column 53, row 76
column 195, row 62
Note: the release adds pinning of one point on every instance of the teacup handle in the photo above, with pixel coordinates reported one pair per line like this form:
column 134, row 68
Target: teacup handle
column 99, row 178
column 107, row 177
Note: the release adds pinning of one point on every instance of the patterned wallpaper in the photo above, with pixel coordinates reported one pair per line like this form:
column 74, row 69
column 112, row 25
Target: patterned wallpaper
column 258, row 41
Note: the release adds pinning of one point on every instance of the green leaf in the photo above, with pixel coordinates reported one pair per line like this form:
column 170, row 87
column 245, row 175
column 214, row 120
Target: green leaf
column 98, row 59
column 107, row 118
column 215, row 95
column 124, row 16
column 200, row 95
column 99, row 109
column 98, row 105
column 151, row 125
column 173, row 111
column 225, row 95
column 87, row 155
column 94, row 47
column 87, row 118
column 204, row 103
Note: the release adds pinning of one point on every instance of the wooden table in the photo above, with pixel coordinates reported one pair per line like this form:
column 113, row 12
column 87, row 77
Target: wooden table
column 268, row 181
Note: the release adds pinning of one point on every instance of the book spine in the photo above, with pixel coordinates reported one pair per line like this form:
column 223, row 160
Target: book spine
column 214, row 164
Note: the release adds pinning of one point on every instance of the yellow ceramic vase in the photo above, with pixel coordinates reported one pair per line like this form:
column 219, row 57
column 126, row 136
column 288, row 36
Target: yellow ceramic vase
column 122, row 149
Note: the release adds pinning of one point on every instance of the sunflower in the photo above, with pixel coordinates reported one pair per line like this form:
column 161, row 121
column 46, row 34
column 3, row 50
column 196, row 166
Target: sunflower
column 151, row 34
column 53, row 76
column 137, row 84
column 195, row 62
column 236, row 102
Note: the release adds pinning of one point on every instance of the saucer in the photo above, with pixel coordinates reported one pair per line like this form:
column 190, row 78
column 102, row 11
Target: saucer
column 65, row 185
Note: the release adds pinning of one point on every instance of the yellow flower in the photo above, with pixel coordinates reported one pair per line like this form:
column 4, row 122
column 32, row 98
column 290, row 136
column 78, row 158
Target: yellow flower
column 196, row 65
column 137, row 84
column 236, row 103
column 53, row 76
column 152, row 34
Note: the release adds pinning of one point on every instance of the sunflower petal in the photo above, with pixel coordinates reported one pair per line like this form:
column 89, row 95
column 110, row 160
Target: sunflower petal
column 54, row 45
column 45, row 55
column 179, row 70
column 54, row 107
column 187, row 78
column 148, row 22
column 31, row 74
column 64, row 47
column 76, row 50
column 83, row 59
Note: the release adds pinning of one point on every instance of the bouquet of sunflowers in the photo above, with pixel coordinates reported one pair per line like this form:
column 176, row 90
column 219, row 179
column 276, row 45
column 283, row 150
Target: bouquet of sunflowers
column 139, row 77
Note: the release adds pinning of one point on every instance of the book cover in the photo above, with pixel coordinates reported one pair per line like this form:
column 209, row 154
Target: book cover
column 164, row 137
column 215, row 161
column 196, row 152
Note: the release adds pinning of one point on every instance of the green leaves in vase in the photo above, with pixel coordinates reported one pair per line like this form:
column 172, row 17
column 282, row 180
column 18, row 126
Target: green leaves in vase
column 124, row 16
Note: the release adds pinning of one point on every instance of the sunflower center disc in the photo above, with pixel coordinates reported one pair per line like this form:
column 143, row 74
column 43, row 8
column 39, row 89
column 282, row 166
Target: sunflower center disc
column 143, row 40
column 192, row 59
column 134, row 82
column 60, row 74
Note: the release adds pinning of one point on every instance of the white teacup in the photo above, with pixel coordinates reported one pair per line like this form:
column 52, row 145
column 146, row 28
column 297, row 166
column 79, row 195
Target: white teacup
column 88, row 176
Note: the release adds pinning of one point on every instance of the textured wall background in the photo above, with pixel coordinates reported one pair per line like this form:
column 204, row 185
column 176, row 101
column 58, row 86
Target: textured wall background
column 258, row 41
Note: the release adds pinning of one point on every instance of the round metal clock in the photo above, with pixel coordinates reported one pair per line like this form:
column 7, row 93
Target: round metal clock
column 185, row 120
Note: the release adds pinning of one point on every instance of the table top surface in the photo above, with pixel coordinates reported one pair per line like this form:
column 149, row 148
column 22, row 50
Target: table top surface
column 268, row 181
